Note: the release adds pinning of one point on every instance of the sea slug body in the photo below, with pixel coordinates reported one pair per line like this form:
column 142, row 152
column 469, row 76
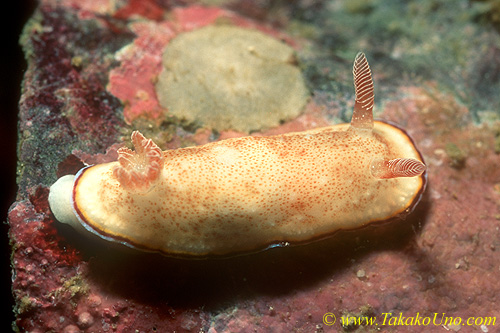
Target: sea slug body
column 247, row 194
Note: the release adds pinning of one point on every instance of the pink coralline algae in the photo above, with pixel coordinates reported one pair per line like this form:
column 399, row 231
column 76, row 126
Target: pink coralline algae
column 132, row 82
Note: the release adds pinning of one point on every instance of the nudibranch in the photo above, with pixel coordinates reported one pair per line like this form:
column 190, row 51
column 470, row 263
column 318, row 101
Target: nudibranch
column 250, row 193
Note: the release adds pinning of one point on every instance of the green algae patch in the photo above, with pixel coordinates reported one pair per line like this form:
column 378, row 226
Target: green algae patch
column 225, row 77
column 456, row 155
